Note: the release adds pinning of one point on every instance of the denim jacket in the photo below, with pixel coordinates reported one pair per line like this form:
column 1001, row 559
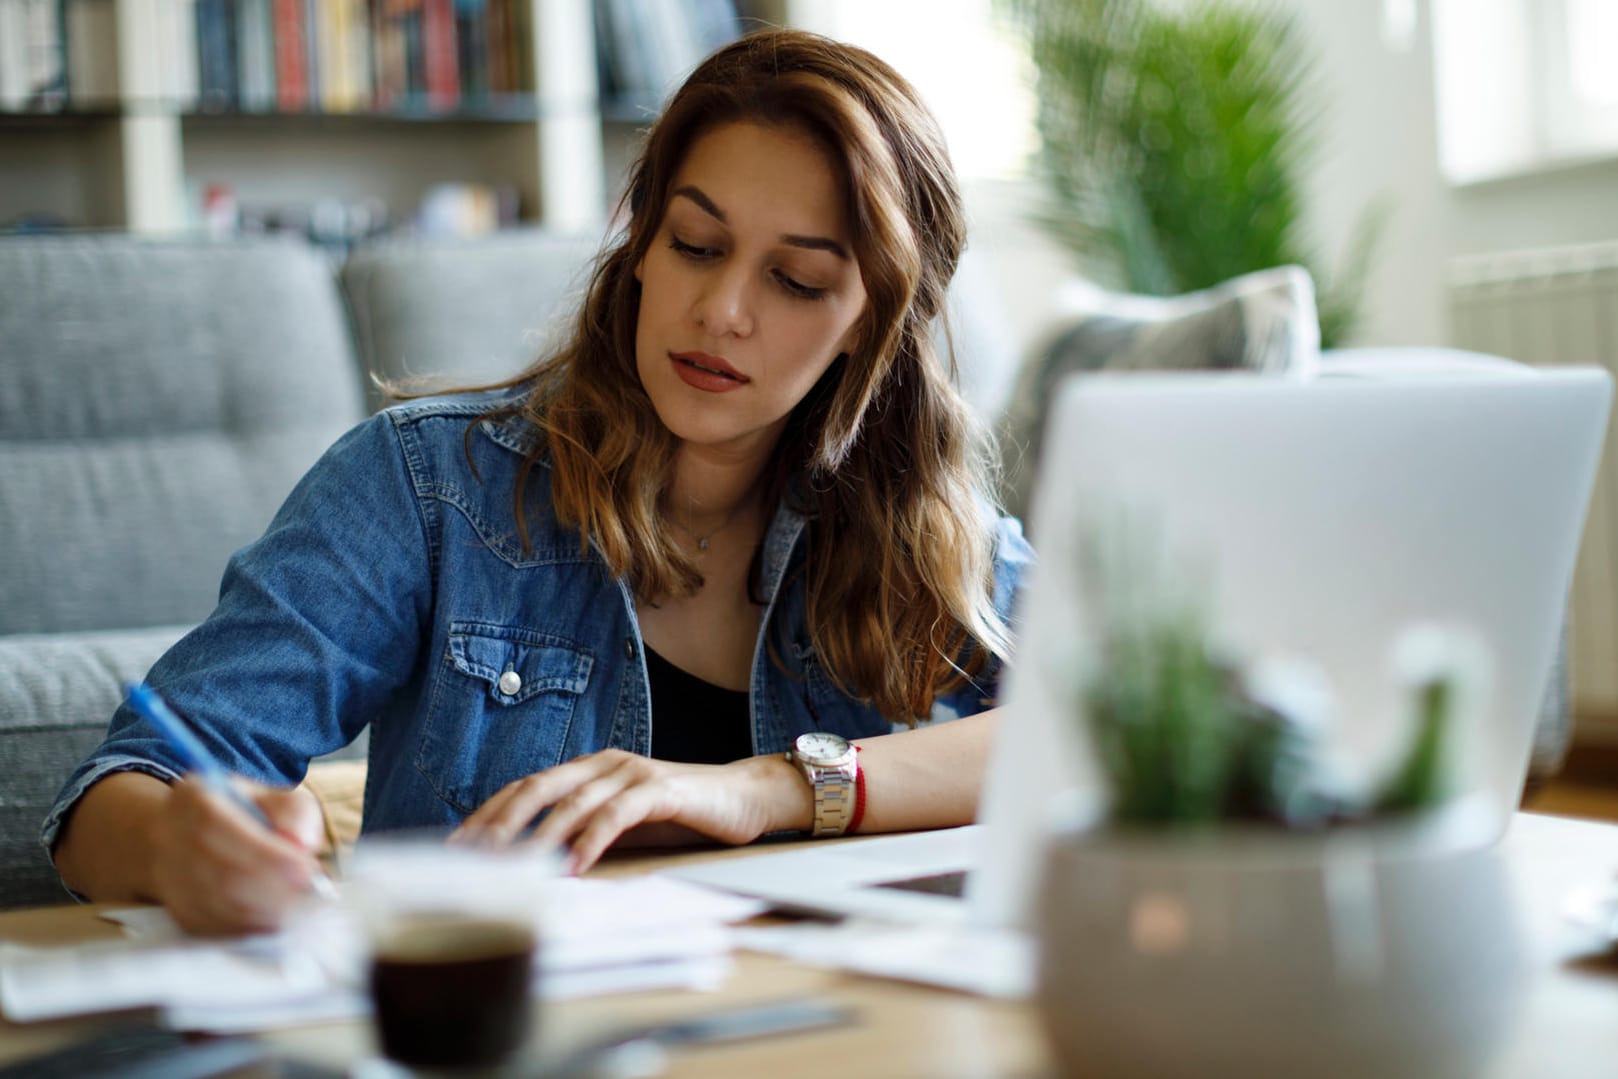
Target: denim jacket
column 391, row 589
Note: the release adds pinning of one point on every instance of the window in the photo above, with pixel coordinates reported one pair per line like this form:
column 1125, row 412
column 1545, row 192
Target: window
column 972, row 71
column 1524, row 84
column 1582, row 89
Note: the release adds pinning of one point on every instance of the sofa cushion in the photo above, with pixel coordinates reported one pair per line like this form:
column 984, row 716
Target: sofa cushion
column 161, row 400
column 1263, row 321
column 53, row 680
column 464, row 311
column 162, row 397
column 57, row 692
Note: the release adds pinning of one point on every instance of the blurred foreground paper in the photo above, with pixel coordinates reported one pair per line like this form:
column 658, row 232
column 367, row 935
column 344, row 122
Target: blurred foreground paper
column 598, row 936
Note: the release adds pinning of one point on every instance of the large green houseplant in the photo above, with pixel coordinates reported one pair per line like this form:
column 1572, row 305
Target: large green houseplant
column 1175, row 139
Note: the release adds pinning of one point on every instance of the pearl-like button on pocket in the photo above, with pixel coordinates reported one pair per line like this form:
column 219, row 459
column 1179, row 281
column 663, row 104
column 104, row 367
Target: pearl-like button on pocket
column 510, row 683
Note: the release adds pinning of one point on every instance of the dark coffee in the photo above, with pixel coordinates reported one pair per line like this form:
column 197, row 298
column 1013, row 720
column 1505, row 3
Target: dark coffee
column 452, row 992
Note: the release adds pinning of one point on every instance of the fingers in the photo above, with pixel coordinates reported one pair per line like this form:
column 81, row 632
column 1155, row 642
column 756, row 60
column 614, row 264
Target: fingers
column 217, row 870
column 502, row 818
column 602, row 828
column 600, row 798
column 594, row 800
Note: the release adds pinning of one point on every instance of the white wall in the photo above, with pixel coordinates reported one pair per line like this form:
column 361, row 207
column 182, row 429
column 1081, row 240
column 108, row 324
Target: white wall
column 1382, row 136
column 1572, row 205
column 1380, row 139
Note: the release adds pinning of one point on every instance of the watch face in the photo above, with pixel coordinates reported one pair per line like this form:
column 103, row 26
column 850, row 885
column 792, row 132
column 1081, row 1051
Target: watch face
column 820, row 746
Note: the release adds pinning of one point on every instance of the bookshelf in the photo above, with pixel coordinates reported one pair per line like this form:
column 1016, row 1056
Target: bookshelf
column 119, row 146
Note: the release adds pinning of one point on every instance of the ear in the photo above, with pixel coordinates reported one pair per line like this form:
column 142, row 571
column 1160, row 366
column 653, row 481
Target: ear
column 640, row 266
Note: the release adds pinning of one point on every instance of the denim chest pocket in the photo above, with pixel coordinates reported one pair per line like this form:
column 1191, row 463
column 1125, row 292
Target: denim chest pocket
column 502, row 701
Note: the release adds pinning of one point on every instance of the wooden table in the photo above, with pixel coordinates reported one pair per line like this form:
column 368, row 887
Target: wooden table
column 1568, row 1026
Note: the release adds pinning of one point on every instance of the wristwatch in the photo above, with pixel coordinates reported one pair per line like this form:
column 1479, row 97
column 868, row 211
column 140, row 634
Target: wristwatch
column 830, row 764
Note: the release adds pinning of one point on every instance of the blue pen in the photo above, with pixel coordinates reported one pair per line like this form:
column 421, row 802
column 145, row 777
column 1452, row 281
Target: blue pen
column 153, row 708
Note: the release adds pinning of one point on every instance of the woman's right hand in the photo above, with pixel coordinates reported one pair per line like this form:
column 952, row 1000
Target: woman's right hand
column 218, row 871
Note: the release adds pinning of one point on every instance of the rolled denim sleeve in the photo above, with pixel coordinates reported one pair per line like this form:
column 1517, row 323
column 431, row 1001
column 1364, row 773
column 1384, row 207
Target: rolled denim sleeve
column 318, row 623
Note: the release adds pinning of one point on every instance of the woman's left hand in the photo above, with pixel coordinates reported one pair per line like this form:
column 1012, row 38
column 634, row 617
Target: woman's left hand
column 596, row 799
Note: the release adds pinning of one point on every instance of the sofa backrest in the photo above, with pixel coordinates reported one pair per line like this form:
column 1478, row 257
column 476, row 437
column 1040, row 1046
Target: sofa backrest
column 464, row 311
column 160, row 399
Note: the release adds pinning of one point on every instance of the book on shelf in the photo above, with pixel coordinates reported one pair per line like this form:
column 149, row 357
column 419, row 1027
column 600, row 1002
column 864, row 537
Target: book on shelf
column 449, row 54
column 645, row 47
column 92, row 53
column 498, row 25
column 314, row 49
column 472, row 48
column 357, row 45
column 33, row 56
column 217, row 55
column 255, row 53
column 330, row 90
column 439, row 60
column 347, row 55
column 335, row 55
column 288, row 43
column 179, row 70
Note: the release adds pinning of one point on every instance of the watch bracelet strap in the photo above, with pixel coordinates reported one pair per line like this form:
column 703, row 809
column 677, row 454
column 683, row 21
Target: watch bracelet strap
column 834, row 806
column 838, row 807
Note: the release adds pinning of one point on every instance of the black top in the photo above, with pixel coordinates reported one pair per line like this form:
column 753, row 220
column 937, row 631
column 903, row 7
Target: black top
column 696, row 721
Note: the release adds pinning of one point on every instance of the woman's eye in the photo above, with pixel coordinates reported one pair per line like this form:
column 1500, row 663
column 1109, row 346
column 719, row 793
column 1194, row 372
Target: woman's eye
column 791, row 285
column 798, row 288
column 691, row 251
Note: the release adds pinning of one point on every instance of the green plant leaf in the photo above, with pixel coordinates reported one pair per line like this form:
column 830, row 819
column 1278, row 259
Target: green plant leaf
column 1175, row 142
column 1420, row 781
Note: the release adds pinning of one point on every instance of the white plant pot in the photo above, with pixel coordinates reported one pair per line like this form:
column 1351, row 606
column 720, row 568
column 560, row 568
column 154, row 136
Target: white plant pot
column 1386, row 950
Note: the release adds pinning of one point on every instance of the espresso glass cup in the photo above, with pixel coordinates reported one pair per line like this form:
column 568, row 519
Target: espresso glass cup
column 452, row 939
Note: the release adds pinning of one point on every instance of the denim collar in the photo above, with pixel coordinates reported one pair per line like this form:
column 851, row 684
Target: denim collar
column 518, row 435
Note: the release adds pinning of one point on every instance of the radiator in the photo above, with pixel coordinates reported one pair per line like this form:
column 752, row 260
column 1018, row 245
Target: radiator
column 1560, row 306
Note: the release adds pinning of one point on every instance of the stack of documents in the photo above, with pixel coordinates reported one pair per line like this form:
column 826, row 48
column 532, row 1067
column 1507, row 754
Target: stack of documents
column 597, row 936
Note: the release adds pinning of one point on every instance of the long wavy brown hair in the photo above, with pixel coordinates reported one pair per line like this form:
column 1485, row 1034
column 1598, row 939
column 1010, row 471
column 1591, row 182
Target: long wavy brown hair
column 883, row 455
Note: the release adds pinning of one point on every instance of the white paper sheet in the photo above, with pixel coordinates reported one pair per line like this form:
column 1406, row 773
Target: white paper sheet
column 597, row 936
column 585, row 907
column 45, row 983
column 702, row 973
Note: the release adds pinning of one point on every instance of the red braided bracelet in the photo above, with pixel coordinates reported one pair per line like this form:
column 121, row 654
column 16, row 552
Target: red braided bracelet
column 859, row 796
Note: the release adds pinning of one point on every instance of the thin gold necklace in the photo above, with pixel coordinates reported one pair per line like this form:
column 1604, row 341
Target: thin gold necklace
column 704, row 538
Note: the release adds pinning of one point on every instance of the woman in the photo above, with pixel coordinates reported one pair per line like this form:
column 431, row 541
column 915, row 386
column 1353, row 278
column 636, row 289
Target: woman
column 744, row 499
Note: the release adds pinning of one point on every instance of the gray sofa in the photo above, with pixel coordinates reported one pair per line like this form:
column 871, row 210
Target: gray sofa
column 160, row 398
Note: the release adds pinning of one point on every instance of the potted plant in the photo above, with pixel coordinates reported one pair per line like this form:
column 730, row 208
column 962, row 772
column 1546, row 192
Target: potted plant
column 1175, row 140
column 1244, row 909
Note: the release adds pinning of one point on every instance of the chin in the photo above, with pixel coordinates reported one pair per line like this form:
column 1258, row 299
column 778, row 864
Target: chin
column 716, row 433
column 700, row 430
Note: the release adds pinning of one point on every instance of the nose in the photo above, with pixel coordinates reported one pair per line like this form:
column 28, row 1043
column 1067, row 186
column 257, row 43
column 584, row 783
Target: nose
column 724, row 306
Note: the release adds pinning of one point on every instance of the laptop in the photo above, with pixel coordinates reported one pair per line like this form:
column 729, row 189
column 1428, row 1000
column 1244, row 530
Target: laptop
column 1326, row 517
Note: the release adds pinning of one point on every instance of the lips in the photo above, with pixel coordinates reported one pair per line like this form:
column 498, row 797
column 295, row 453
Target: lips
column 707, row 372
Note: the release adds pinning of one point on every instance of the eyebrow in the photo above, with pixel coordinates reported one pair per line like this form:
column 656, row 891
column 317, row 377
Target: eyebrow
column 811, row 243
